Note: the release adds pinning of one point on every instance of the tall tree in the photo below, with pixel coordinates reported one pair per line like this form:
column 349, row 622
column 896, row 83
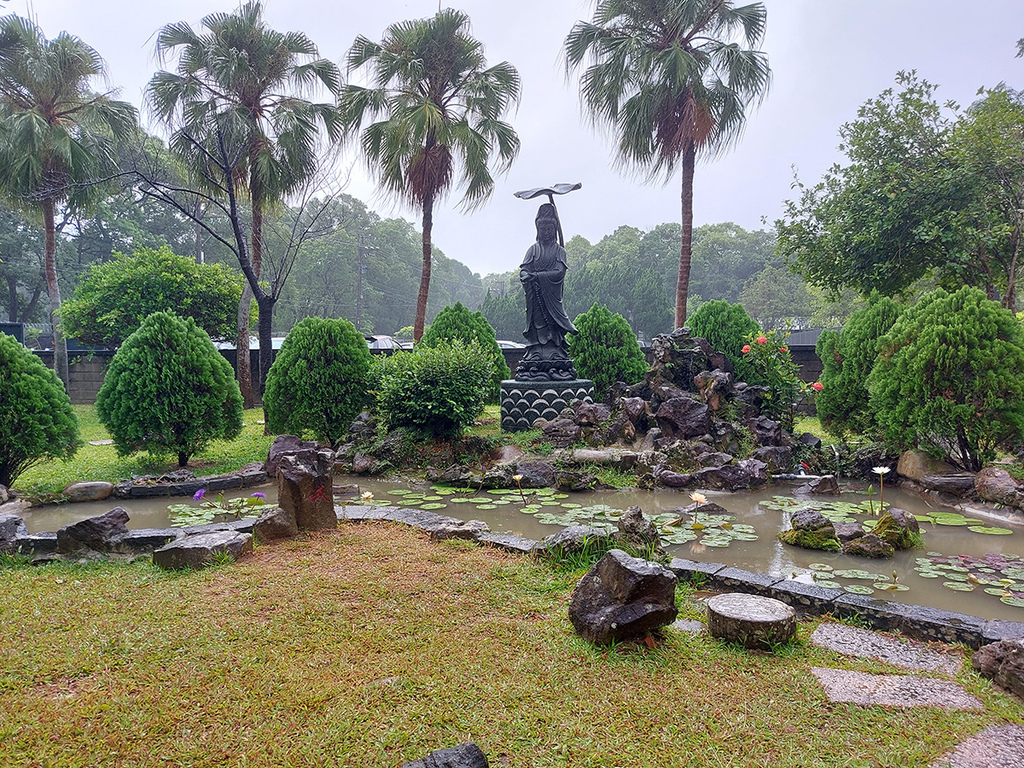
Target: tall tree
column 239, row 86
column 436, row 110
column 56, row 135
column 670, row 80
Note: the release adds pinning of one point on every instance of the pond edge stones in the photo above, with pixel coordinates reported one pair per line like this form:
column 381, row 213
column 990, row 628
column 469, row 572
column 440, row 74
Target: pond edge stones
column 622, row 598
column 753, row 621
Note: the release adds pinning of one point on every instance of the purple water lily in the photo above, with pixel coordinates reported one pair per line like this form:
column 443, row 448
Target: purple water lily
column 198, row 494
column 259, row 495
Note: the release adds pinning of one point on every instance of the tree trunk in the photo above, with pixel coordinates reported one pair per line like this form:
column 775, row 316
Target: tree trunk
column 421, row 299
column 60, row 347
column 265, row 302
column 12, row 298
column 182, row 460
column 244, row 365
column 27, row 312
column 685, row 247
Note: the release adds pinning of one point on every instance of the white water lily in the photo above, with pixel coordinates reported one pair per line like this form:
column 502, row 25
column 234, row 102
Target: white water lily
column 881, row 470
column 700, row 498
column 367, row 496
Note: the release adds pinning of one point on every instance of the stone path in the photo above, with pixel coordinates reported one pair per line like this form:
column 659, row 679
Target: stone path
column 853, row 641
column 893, row 690
column 998, row 746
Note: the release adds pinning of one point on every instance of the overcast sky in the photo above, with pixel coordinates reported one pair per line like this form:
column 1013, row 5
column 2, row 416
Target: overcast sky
column 827, row 58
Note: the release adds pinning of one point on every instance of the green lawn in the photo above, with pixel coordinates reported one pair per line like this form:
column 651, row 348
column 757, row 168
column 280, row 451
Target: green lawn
column 372, row 645
column 101, row 462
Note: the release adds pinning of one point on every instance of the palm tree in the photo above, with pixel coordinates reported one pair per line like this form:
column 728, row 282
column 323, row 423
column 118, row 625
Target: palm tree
column 668, row 78
column 56, row 135
column 241, row 83
column 438, row 110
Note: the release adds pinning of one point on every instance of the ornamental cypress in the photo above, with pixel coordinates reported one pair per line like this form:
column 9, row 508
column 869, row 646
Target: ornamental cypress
column 606, row 350
column 36, row 418
column 318, row 382
column 726, row 327
column 168, row 389
column 455, row 322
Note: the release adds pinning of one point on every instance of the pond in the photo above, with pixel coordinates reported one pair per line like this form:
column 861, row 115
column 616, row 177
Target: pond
column 969, row 564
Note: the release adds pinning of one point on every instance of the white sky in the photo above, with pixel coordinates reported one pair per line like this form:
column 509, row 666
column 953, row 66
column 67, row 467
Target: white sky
column 827, row 57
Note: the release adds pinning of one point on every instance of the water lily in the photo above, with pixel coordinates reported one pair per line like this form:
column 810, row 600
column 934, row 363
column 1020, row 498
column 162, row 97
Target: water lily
column 519, row 479
column 258, row 495
column 700, row 498
column 881, row 472
column 198, row 494
column 366, row 496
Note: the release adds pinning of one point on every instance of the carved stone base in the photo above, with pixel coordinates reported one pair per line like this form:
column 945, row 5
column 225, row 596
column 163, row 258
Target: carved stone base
column 523, row 402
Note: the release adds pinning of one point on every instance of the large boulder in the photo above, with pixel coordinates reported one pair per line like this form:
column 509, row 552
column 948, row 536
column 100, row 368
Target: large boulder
column 826, row 485
column 12, row 528
column 683, row 417
column 670, row 478
column 201, row 549
column 1003, row 663
column 622, row 598
column 282, row 446
column 714, row 388
column 467, row 755
column 898, row 528
column 811, row 530
column 914, row 465
column 561, row 432
column 91, row 491
column 96, row 534
column 305, row 488
column 869, row 545
column 778, row 458
column 535, row 474
column 995, row 484
column 749, row 473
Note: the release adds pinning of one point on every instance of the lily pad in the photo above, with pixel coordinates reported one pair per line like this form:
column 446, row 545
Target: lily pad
column 820, row 567
column 859, row 589
column 853, row 573
column 1016, row 602
column 434, row 505
column 891, row 586
column 958, row 586
column 990, row 530
column 829, row 584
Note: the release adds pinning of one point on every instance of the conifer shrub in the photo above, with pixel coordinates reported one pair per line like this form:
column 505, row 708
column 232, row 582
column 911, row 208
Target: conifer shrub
column 726, row 327
column 606, row 350
column 319, row 380
column 948, row 378
column 434, row 392
column 36, row 418
column 456, row 322
column 847, row 359
column 168, row 390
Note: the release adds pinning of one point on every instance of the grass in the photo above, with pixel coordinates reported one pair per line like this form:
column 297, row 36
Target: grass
column 101, row 462
column 372, row 646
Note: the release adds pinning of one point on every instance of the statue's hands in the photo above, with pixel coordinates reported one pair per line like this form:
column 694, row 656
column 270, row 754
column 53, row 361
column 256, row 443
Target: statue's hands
column 525, row 277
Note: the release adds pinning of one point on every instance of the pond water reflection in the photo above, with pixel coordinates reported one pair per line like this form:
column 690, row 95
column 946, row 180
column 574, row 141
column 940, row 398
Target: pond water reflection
column 748, row 541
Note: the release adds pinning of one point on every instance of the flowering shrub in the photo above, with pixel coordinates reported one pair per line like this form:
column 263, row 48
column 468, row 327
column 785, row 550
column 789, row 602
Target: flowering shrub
column 770, row 358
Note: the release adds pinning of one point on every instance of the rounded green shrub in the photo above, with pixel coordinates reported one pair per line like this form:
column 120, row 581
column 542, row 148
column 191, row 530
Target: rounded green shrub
column 319, row 380
column 168, row 390
column 36, row 418
column 456, row 322
column 113, row 298
column 606, row 350
column 948, row 378
column 726, row 327
column 847, row 359
column 434, row 391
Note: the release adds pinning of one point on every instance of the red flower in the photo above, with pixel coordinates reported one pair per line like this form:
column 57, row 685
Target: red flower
column 817, row 386
column 761, row 339
column 746, row 348
column 783, row 350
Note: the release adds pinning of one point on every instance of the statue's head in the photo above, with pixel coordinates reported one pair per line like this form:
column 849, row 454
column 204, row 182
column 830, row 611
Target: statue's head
column 547, row 223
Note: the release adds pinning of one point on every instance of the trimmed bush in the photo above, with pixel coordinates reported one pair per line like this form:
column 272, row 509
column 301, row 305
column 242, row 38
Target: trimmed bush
column 434, row 391
column 847, row 359
column 36, row 418
column 606, row 350
column 727, row 327
column 319, row 380
column 113, row 298
column 457, row 322
column 948, row 378
column 168, row 390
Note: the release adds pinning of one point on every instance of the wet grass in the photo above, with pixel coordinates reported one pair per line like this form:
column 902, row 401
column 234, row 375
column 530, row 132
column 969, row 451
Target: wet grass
column 371, row 646
column 101, row 462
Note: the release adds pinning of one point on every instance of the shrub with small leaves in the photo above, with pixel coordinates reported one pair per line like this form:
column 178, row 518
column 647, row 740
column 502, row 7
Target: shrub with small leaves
column 727, row 327
column 319, row 379
column 948, row 378
column 456, row 322
column 768, row 355
column 434, row 391
column 36, row 418
column 168, row 389
column 606, row 350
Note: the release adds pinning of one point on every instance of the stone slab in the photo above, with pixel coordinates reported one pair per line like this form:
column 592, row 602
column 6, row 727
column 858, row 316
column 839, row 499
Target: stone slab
column 686, row 570
column 740, row 580
column 863, row 643
column 142, row 540
column 44, row 542
column 509, row 542
column 360, row 514
column 998, row 746
column 998, row 629
column 237, row 526
column 805, row 597
column 845, row 687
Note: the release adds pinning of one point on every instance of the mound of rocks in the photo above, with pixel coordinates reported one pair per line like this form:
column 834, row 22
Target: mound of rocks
column 896, row 529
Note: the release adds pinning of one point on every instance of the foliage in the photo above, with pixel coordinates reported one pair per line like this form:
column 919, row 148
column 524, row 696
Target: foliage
column 435, row 391
column 506, row 313
column 115, row 297
column 775, row 298
column 606, row 350
column 319, row 379
column 671, row 80
column 168, row 389
column 847, row 359
column 947, row 379
column 36, row 419
column 770, row 358
column 438, row 110
column 727, row 327
column 457, row 322
column 184, row 515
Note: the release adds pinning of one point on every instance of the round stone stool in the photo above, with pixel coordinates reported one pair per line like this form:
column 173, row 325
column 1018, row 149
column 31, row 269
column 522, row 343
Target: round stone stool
column 755, row 622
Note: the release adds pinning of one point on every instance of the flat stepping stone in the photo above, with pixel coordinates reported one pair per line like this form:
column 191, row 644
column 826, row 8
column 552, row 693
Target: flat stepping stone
column 998, row 746
column 865, row 644
column 691, row 626
column 843, row 686
column 753, row 621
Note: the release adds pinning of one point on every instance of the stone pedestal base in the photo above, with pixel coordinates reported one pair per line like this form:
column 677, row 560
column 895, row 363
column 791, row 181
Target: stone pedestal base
column 523, row 402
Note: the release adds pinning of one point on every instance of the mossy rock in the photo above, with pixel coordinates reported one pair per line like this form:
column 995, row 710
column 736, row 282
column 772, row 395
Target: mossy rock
column 823, row 539
column 896, row 529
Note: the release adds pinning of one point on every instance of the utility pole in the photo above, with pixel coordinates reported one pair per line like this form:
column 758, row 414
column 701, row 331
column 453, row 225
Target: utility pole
column 359, row 282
